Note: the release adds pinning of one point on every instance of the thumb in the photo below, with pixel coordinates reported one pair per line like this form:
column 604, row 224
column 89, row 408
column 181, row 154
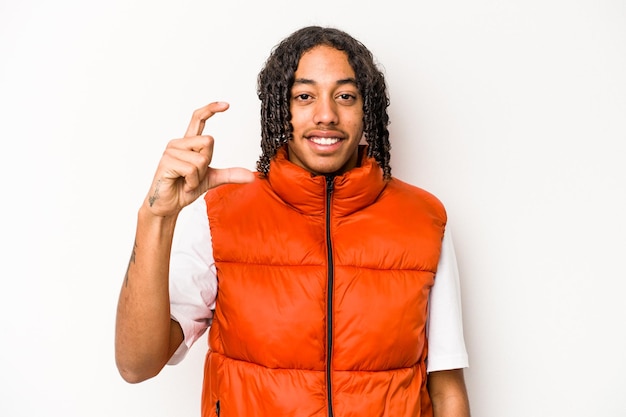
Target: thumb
column 220, row 176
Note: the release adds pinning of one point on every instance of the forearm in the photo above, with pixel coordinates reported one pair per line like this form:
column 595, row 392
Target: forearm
column 144, row 330
column 451, row 407
column 448, row 393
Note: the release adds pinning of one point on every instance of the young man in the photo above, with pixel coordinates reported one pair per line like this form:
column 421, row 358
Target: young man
column 337, row 293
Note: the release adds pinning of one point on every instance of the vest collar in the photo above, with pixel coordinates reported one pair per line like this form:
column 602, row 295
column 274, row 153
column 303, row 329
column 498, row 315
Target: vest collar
column 306, row 192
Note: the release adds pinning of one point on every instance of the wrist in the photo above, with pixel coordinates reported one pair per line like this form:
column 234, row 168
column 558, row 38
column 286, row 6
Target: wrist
column 148, row 218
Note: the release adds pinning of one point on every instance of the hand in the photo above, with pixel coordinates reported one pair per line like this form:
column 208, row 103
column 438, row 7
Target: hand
column 184, row 173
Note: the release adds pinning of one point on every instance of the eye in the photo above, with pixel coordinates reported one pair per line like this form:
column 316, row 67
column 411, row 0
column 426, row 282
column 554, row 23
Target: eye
column 347, row 98
column 302, row 97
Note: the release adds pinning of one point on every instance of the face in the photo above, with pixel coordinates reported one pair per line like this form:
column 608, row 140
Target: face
column 327, row 113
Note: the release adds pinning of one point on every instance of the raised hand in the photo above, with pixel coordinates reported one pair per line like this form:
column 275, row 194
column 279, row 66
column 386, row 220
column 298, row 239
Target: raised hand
column 183, row 173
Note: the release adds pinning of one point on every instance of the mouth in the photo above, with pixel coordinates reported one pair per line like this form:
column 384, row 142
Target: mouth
column 321, row 137
column 324, row 141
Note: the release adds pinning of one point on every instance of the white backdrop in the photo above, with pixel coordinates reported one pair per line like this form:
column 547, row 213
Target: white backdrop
column 512, row 112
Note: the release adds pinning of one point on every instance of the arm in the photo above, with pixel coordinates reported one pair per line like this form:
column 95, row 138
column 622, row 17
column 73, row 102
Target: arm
column 145, row 335
column 448, row 393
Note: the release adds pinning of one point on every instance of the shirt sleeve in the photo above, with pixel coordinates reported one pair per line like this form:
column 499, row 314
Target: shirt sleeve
column 446, row 343
column 192, row 278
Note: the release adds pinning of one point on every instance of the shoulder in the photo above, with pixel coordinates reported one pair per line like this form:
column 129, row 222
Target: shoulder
column 414, row 195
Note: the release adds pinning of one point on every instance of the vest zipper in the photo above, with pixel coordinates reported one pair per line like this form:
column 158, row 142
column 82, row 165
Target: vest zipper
column 330, row 182
column 217, row 408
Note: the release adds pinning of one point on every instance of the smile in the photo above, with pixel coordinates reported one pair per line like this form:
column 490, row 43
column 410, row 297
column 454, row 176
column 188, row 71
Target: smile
column 324, row 141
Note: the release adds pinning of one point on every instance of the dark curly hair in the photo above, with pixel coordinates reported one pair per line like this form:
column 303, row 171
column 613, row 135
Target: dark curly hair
column 277, row 76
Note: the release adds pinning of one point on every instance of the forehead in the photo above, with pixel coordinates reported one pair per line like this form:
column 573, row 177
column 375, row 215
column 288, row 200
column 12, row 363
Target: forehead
column 324, row 63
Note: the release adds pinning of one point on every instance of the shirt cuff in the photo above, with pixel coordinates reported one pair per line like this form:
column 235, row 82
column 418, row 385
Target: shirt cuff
column 446, row 363
column 192, row 330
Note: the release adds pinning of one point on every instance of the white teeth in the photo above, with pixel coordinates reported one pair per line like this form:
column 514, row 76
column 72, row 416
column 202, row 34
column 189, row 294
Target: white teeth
column 325, row 141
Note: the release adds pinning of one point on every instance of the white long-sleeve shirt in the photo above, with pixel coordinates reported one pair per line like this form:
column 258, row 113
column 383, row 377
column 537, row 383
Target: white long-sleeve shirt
column 193, row 289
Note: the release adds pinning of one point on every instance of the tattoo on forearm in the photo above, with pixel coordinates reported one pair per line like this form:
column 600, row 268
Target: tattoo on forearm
column 130, row 262
column 155, row 196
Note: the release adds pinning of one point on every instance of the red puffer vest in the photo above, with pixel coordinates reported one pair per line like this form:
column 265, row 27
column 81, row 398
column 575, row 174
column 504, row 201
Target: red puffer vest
column 323, row 295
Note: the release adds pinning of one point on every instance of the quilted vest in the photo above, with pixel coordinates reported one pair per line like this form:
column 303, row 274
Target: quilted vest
column 322, row 298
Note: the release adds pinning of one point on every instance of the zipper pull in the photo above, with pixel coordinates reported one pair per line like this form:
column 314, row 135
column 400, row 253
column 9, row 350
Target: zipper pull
column 330, row 183
column 217, row 408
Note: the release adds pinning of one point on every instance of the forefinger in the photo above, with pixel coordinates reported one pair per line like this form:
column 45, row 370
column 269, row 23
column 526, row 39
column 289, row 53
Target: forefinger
column 200, row 116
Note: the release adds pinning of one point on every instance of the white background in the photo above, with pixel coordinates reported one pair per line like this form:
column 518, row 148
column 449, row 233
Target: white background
column 512, row 112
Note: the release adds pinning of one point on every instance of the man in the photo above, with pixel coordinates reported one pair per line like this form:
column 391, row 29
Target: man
column 337, row 289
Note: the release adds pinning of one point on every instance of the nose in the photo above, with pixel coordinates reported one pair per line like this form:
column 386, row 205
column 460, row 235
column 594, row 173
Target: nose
column 325, row 111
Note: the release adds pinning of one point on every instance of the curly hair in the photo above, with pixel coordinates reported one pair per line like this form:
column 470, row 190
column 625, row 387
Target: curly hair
column 277, row 77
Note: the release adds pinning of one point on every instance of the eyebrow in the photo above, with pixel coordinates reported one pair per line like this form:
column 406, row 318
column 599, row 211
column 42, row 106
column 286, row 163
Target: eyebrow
column 308, row 81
